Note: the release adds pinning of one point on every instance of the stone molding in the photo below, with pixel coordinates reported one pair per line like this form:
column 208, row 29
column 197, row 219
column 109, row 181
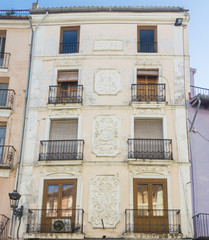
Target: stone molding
column 60, row 171
column 106, row 141
column 139, row 170
column 104, row 202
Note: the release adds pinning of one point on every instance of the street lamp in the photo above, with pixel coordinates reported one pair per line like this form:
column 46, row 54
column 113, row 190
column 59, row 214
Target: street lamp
column 14, row 201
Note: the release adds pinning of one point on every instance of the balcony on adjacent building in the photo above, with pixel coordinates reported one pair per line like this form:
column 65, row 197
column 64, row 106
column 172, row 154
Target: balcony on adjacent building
column 7, row 156
column 65, row 94
column 201, row 226
column 153, row 221
column 52, row 150
column 4, row 226
column 6, row 98
column 4, row 59
column 59, row 221
column 148, row 92
column 150, row 149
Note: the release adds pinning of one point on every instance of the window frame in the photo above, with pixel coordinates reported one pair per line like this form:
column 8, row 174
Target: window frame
column 74, row 28
column 154, row 28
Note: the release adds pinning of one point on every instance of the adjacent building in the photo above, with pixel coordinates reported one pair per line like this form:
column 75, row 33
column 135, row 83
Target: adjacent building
column 14, row 59
column 199, row 137
column 106, row 148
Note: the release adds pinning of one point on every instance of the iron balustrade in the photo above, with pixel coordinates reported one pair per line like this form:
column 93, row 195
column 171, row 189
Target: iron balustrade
column 7, row 154
column 199, row 90
column 55, row 221
column 150, row 148
column 65, row 94
column 4, row 226
column 61, row 150
column 7, row 98
column 201, row 225
column 147, row 47
column 4, row 59
column 71, row 47
column 153, row 221
column 14, row 13
column 148, row 92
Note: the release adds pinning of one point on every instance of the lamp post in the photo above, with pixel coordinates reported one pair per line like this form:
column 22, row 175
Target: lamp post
column 14, row 201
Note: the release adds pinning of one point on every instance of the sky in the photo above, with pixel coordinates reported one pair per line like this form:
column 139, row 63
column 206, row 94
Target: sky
column 198, row 25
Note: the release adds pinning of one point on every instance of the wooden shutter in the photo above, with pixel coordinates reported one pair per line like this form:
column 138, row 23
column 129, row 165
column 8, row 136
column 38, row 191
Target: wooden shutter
column 64, row 130
column 67, row 76
column 147, row 128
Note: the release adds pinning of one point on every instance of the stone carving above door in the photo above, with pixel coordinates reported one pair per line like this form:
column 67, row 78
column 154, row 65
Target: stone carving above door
column 104, row 201
column 107, row 82
column 106, row 140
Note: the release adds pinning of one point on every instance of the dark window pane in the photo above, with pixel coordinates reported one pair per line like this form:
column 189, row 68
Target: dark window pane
column 147, row 36
column 70, row 36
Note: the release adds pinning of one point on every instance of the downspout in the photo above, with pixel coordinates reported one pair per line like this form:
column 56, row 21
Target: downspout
column 24, row 126
column 198, row 106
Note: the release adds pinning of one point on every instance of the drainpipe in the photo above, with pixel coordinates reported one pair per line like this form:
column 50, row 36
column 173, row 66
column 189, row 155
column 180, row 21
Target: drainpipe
column 25, row 118
column 198, row 106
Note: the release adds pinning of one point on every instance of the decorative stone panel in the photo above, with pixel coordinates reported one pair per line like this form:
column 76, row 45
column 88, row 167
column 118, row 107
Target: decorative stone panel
column 108, row 45
column 104, row 201
column 149, row 170
column 106, row 140
column 107, row 82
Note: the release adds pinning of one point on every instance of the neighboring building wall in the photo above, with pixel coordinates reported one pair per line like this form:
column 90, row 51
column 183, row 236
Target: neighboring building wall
column 14, row 73
column 107, row 63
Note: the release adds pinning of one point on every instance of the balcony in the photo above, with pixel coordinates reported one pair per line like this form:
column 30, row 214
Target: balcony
column 150, row 149
column 71, row 47
column 52, row 150
column 59, row 221
column 201, row 226
column 151, row 221
column 148, row 93
column 4, row 59
column 4, row 226
column 65, row 94
column 147, row 47
column 6, row 98
column 7, row 156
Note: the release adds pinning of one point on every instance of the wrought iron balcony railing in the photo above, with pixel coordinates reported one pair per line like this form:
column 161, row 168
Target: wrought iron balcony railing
column 4, row 226
column 71, row 47
column 61, row 150
column 148, row 92
column 7, row 154
column 150, row 148
column 55, row 221
column 65, row 94
column 201, row 226
column 6, row 98
column 4, row 59
column 152, row 221
column 147, row 47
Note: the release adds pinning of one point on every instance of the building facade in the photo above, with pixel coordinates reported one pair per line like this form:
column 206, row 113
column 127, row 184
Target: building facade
column 106, row 150
column 14, row 58
column 198, row 132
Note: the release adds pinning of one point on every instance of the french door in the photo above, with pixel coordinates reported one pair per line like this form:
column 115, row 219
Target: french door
column 59, row 202
column 150, row 206
column 2, row 139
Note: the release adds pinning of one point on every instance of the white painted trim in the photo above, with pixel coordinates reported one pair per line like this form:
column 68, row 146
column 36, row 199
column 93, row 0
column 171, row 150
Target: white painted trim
column 5, row 112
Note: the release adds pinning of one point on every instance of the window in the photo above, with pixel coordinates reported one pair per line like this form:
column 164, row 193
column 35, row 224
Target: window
column 2, row 46
column 69, row 40
column 3, row 94
column 150, row 201
column 59, row 203
column 2, row 140
column 67, row 86
column 147, row 39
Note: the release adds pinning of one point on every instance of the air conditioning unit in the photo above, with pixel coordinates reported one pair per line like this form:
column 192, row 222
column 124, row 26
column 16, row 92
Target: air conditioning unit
column 61, row 225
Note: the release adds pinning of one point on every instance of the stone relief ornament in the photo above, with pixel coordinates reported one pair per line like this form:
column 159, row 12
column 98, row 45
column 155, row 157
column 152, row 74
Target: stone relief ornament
column 147, row 170
column 107, row 82
column 108, row 45
column 104, row 201
column 106, row 136
column 62, row 170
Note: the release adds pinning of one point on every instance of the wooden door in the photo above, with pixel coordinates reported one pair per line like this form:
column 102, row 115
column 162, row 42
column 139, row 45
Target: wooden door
column 150, row 206
column 59, row 202
column 147, row 90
